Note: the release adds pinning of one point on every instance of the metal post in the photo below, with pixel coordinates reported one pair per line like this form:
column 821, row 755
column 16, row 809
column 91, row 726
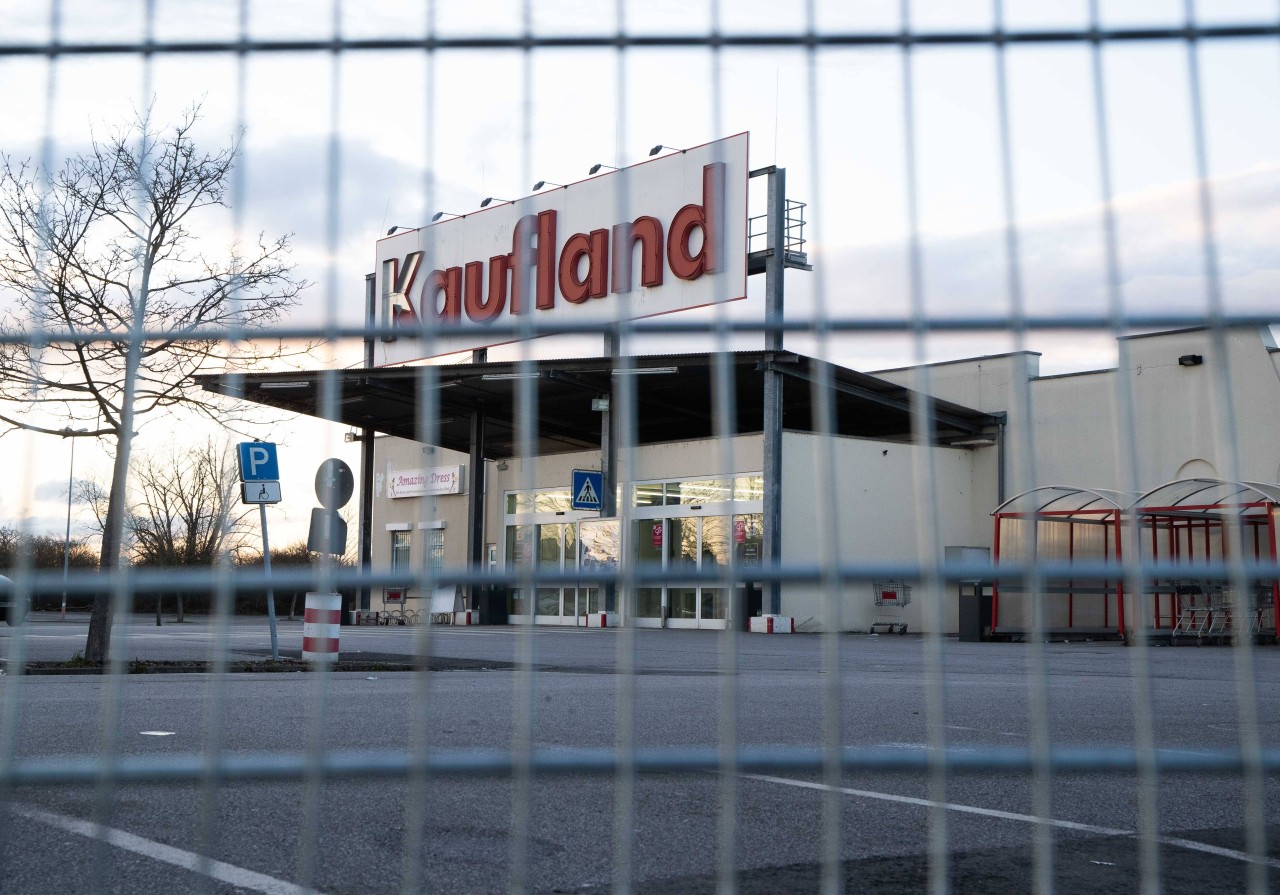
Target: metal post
column 773, row 315
column 66, row 546
column 609, row 455
column 366, row 454
column 271, row 597
column 475, row 506
column 608, row 437
column 366, row 515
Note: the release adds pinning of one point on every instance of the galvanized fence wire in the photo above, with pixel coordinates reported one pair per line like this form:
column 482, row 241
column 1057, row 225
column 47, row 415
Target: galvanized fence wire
column 418, row 764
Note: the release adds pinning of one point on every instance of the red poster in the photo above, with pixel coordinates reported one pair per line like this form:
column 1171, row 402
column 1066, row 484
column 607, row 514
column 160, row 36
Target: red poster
column 657, row 534
column 739, row 531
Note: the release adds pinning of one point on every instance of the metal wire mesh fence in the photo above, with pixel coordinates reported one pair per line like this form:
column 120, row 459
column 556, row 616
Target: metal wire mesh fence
column 855, row 396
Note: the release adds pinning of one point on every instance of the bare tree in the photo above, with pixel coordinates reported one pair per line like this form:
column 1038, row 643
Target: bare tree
column 186, row 510
column 113, row 307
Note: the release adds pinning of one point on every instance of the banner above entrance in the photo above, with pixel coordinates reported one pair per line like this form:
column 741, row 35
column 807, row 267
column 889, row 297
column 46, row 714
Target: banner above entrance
column 425, row 482
column 665, row 235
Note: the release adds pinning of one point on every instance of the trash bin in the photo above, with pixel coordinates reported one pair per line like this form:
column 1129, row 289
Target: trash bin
column 975, row 611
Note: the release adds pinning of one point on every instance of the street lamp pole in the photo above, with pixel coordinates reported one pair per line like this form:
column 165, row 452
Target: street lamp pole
column 66, row 544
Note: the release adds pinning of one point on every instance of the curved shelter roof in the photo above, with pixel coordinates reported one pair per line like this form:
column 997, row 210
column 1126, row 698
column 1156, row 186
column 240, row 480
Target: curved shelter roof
column 1065, row 503
column 1208, row 497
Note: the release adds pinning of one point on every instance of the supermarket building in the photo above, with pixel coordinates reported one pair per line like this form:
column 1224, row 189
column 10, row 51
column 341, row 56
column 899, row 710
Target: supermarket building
column 470, row 465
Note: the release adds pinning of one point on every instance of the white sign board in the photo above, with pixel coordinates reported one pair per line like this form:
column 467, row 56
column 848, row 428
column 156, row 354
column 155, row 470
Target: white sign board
column 260, row 492
column 425, row 482
column 665, row 235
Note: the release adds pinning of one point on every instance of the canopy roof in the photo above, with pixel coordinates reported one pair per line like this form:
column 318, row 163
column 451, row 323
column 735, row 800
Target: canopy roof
column 674, row 399
column 1206, row 497
column 1065, row 503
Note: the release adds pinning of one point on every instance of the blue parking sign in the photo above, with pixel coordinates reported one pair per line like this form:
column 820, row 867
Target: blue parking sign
column 258, row 462
column 588, row 486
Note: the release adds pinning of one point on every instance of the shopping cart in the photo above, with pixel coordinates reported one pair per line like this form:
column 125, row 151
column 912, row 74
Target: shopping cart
column 892, row 598
column 1222, row 610
column 1260, row 604
column 1193, row 611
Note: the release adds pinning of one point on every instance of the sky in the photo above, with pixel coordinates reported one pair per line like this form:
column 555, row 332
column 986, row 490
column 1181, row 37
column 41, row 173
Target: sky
column 411, row 134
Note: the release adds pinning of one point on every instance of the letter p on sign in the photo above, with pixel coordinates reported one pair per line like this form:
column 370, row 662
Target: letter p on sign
column 258, row 462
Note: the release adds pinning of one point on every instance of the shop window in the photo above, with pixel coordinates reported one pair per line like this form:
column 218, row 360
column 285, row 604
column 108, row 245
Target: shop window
column 400, row 543
column 695, row 492
column 700, row 491
column 748, row 487
column 433, row 550
column 519, row 556
column 553, row 501
column 649, row 495
column 748, row 538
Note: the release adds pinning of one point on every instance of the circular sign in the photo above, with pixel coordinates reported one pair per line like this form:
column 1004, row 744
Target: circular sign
column 334, row 484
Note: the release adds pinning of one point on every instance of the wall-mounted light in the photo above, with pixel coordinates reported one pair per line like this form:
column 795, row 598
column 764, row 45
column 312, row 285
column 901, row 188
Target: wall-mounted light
column 541, row 183
column 490, row 199
column 400, row 227
column 503, row 465
column 439, row 214
column 1191, row 360
column 595, row 169
column 655, row 150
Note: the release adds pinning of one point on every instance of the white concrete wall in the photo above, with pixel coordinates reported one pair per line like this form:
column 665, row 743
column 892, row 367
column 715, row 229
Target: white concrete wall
column 1079, row 436
column 1178, row 428
column 881, row 504
column 450, row 510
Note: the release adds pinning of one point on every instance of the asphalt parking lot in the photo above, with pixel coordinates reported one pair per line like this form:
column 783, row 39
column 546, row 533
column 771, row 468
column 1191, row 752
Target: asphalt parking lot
column 670, row 832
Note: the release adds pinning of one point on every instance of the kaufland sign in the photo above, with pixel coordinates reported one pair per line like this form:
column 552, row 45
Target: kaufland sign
column 666, row 235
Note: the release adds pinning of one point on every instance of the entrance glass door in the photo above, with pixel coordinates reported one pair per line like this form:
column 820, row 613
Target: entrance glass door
column 557, row 552
column 697, row 544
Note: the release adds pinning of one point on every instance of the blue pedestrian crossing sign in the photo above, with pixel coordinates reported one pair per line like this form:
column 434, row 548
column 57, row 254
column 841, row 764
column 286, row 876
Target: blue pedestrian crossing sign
column 588, row 486
column 258, row 462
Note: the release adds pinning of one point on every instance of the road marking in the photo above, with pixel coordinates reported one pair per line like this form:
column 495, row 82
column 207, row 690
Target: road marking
column 158, row 851
column 156, row 733
column 1174, row 841
column 999, row 733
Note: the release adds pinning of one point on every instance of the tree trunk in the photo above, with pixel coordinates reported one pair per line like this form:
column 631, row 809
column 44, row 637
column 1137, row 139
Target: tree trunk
column 180, row 615
column 96, row 644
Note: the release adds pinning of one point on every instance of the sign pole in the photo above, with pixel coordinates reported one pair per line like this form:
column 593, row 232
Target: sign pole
column 271, row 597
column 260, row 484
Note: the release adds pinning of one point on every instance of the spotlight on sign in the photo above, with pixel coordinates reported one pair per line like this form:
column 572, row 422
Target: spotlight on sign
column 488, row 200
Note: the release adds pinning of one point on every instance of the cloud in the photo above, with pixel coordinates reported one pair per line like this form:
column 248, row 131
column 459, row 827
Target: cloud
column 51, row 490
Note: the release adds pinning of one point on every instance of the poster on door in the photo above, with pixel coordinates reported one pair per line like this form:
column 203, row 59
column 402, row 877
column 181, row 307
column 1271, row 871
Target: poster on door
column 657, row 534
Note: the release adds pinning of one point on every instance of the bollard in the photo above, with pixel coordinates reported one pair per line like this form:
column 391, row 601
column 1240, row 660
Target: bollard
column 321, row 621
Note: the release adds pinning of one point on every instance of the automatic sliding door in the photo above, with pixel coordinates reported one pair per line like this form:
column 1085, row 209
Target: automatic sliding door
column 713, row 553
column 682, row 596
column 648, row 537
